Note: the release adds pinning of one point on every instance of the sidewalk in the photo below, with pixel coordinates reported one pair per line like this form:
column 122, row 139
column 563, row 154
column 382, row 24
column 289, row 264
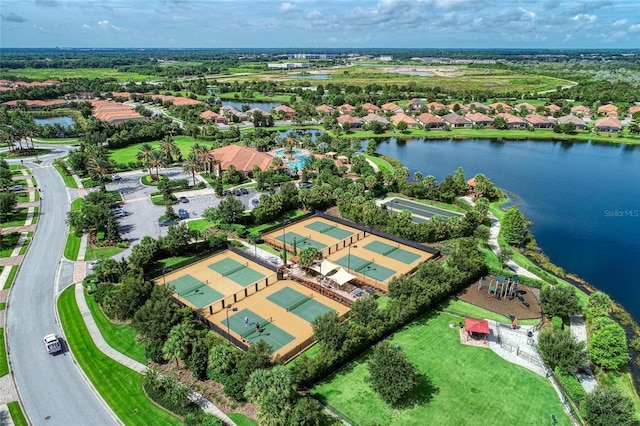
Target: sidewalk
column 206, row 405
column 579, row 331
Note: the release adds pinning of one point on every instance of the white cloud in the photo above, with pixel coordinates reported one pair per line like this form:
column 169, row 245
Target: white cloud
column 584, row 17
column 287, row 7
column 567, row 37
column 619, row 22
column 527, row 15
column 86, row 26
column 105, row 25
column 634, row 28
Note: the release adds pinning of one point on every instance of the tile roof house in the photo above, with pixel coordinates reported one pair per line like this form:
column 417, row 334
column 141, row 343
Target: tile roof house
column 513, row 122
column 608, row 110
column 608, row 124
column 231, row 112
column 538, row 121
column 392, row 108
column 242, row 158
column 527, row 106
column 461, row 107
column 580, row 109
column 455, row 120
column 368, row 106
column 477, row 106
column 415, row 104
column 480, row 119
column 177, row 100
column 284, row 112
column 579, row 122
column 347, row 120
column 375, row 117
column 346, row 109
column 213, row 117
column 431, row 121
column 633, row 109
column 435, row 106
column 552, row 108
column 114, row 113
column 497, row 106
column 324, row 109
column 37, row 104
column 404, row 118
column 255, row 110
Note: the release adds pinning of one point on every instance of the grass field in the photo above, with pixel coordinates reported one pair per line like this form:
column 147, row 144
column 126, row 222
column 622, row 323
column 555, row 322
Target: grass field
column 120, row 386
column 11, row 277
column 15, row 219
column 466, row 309
column 65, row 73
column 120, row 337
column 16, row 414
column 69, row 181
column 94, row 253
column 383, row 165
column 199, row 225
column 241, row 420
column 128, row 153
column 469, row 385
column 4, row 365
column 8, row 243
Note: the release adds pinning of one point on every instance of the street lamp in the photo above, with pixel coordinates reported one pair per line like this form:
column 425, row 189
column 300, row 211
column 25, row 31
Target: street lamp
column 164, row 282
column 229, row 308
column 284, row 241
column 349, row 257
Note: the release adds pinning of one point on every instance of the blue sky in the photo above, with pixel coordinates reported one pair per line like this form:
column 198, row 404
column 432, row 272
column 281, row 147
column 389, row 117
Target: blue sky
column 322, row 24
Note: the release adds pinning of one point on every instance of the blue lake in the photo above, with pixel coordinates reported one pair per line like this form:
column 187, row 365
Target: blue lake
column 63, row 121
column 583, row 199
column 265, row 106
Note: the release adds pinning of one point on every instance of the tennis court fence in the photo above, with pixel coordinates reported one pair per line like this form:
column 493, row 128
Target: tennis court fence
column 296, row 350
column 343, row 243
column 249, row 290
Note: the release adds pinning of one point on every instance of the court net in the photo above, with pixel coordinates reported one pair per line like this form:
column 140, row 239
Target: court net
column 391, row 250
column 299, row 302
column 236, row 269
column 261, row 325
column 188, row 290
column 328, row 228
column 363, row 266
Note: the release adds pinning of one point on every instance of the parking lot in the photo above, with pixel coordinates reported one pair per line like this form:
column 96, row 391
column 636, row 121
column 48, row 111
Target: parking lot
column 141, row 216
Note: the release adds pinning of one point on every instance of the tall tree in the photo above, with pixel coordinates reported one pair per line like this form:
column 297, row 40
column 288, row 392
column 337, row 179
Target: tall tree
column 144, row 154
column 274, row 392
column 608, row 344
column 561, row 349
column 191, row 166
column 392, row 376
column 560, row 300
column 156, row 160
column 169, row 149
column 513, row 226
column 607, row 406
column 177, row 343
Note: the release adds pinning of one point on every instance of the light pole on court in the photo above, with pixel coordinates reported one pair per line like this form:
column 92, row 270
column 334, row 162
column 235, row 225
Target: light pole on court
column 349, row 257
column 284, row 241
column 234, row 309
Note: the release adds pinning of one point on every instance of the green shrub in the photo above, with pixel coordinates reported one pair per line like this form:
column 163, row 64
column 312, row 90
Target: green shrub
column 572, row 386
column 557, row 323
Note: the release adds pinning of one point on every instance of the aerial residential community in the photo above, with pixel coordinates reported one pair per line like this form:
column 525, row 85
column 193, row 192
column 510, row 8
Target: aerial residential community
column 317, row 236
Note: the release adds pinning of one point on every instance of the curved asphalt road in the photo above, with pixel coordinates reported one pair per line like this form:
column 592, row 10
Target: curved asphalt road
column 52, row 388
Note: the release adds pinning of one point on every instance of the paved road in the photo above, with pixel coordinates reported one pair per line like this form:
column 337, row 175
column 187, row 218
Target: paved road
column 51, row 387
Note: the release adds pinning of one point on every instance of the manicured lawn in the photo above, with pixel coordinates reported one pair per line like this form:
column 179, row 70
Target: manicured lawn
column 16, row 414
column 72, row 246
column 128, row 154
column 3, row 306
column 61, row 141
column 11, row 277
column 4, row 366
column 120, row 386
column 469, row 385
column 8, row 243
column 382, row 164
column 14, row 219
column 121, row 337
column 94, row 253
column 466, row 309
column 66, row 73
column 25, row 244
column 69, row 181
column 199, row 224
column 241, row 420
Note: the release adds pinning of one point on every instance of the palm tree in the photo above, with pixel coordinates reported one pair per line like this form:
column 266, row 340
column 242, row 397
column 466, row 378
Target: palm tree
column 99, row 165
column 156, row 160
column 277, row 163
column 417, row 177
column 176, row 345
column 169, row 149
column 191, row 165
column 144, row 153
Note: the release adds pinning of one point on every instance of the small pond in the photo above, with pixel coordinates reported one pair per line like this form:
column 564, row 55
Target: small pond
column 265, row 106
column 65, row 121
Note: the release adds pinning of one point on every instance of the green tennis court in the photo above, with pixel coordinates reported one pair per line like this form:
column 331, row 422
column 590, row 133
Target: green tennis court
column 393, row 252
column 271, row 334
column 330, row 230
column 368, row 268
column 302, row 305
column 419, row 210
column 301, row 241
column 241, row 273
column 194, row 291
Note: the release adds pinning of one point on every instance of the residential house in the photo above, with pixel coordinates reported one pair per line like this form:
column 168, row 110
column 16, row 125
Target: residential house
column 538, row 121
column 500, row 107
column 527, row 106
column 608, row 124
column 242, row 158
column 455, row 107
column 404, row 118
column 114, row 113
column 346, row 109
column 235, row 115
column 324, row 109
column 430, row 121
column 581, row 110
column 284, row 112
column 213, row 117
column 37, row 104
column 455, row 120
column 177, row 100
column 553, row 108
column 608, row 110
column 252, row 111
column 479, row 107
column 371, row 117
column 348, row 121
column 435, row 106
column 392, row 108
column 370, row 107
column 415, row 104
column 634, row 109
column 513, row 122
column 579, row 122
column 480, row 119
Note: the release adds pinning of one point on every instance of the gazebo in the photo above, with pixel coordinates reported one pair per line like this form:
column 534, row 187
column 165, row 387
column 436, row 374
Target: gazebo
column 476, row 328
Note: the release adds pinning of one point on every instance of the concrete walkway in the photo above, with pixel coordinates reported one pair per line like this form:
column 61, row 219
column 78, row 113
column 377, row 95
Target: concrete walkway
column 206, row 405
column 579, row 331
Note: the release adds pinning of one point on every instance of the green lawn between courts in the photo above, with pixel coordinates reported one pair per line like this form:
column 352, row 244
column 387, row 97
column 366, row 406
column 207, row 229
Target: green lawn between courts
column 120, row 386
column 470, row 385
column 128, row 153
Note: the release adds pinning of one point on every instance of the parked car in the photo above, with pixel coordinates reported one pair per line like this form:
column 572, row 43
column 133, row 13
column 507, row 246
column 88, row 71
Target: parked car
column 52, row 344
column 15, row 188
column 255, row 201
column 183, row 214
column 93, row 264
column 183, row 199
column 115, row 178
column 168, row 222
column 119, row 212
column 305, row 185
column 237, row 192
column 244, row 191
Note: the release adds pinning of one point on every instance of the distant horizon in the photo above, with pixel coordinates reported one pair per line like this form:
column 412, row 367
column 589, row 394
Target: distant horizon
column 340, row 49
column 352, row 24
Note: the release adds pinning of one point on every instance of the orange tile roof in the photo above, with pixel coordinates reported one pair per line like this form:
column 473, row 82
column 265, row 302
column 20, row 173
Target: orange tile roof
column 581, row 109
column 114, row 112
column 511, row 119
column 346, row 118
column 537, row 119
column 426, row 118
column 435, row 105
column 608, row 108
column 243, row 158
column 390, row 106
column 398, row 118
column 370, row 107
column 478, row 117
column 634, row 109
column 553, row 108
column 324, row 108
column 505, row 107
column 526, row 105
column 608, row 122
column 375, row 117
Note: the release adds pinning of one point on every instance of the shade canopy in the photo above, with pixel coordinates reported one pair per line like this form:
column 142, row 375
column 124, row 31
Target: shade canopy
column 476, row 326
column 324, row 267
column 342, row 277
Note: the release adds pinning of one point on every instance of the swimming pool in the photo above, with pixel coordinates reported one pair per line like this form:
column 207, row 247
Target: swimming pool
column 293, row 160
